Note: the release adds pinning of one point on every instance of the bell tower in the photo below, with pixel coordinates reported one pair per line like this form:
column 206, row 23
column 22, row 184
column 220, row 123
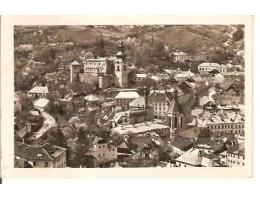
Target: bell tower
column 120, row 68
column 74, row 71
column 175, row 115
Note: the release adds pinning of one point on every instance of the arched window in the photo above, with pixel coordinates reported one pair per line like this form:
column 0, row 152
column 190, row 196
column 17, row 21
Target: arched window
column 118, row 68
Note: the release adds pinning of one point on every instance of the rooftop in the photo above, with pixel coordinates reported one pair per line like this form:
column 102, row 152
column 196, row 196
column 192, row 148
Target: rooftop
column 41, row 102
column 127, row 95
column 181, row 143
column 138, row 102
column 45, row 152
column 39, row 90
column 75, row 63
column 139, row 128
column 209, row 65
column 190, row 157
column 141, row 75
column 92, row 98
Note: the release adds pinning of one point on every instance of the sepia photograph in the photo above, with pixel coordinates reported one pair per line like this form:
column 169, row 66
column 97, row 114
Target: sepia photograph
column 164, row 96
column 102, row 96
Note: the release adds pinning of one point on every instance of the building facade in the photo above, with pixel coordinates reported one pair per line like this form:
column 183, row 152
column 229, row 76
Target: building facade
column 45, row 156
column 111, row 71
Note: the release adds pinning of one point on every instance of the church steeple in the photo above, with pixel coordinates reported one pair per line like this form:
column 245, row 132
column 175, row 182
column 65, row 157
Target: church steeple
column 121, row 66
column 121, row 50
column 175, row 114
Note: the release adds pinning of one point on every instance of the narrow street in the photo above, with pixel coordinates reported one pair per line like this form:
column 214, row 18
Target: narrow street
column 48, row 123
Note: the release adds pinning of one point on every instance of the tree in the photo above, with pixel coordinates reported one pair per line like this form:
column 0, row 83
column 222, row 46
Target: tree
column 55, row 136
column 147, row 82
column 27, row 102
column 82, row 88
column 238, row 35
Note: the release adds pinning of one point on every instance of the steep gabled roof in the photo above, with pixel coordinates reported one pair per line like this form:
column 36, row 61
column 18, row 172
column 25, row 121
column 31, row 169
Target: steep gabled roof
column 175, row 107
column 191, row 157
column 44, row 152
column 181, row 143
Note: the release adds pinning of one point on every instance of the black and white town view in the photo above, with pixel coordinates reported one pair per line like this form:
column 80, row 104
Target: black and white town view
column 129, row 96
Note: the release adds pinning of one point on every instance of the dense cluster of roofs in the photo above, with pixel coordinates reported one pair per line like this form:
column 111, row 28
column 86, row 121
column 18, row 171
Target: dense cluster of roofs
column 187, row 123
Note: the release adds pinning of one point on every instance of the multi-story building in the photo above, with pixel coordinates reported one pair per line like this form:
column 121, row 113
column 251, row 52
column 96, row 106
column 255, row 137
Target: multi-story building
column 109, row 70
column 179, row 56
column 160, row 101
column 230, row 122
column 235, row 157
column 207, row 67
column 102, row 151
column 123, row 98
column 222, row 122
column 44, row 156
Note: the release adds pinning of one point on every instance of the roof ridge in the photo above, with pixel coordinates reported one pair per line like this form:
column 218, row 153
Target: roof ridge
column 47, row 153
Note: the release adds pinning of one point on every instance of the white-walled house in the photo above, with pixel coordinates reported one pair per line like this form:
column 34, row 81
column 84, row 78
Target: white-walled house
column 102, row 151
column 39, row 91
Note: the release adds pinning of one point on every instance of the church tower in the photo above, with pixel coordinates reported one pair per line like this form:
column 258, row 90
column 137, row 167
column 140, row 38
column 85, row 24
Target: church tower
column 120, row 68
column 74, row 71
column 175, row 115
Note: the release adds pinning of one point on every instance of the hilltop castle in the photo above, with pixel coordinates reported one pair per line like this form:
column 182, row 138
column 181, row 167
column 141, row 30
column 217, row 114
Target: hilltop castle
column 110, row 71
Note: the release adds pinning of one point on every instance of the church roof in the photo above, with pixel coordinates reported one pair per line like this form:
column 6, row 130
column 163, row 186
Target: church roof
column 175, row 107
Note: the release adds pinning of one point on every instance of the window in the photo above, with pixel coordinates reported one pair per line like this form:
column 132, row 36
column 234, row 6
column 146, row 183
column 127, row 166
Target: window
column 99, row 155
column 46, row 164
column 103, row 154
column 176, row 121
